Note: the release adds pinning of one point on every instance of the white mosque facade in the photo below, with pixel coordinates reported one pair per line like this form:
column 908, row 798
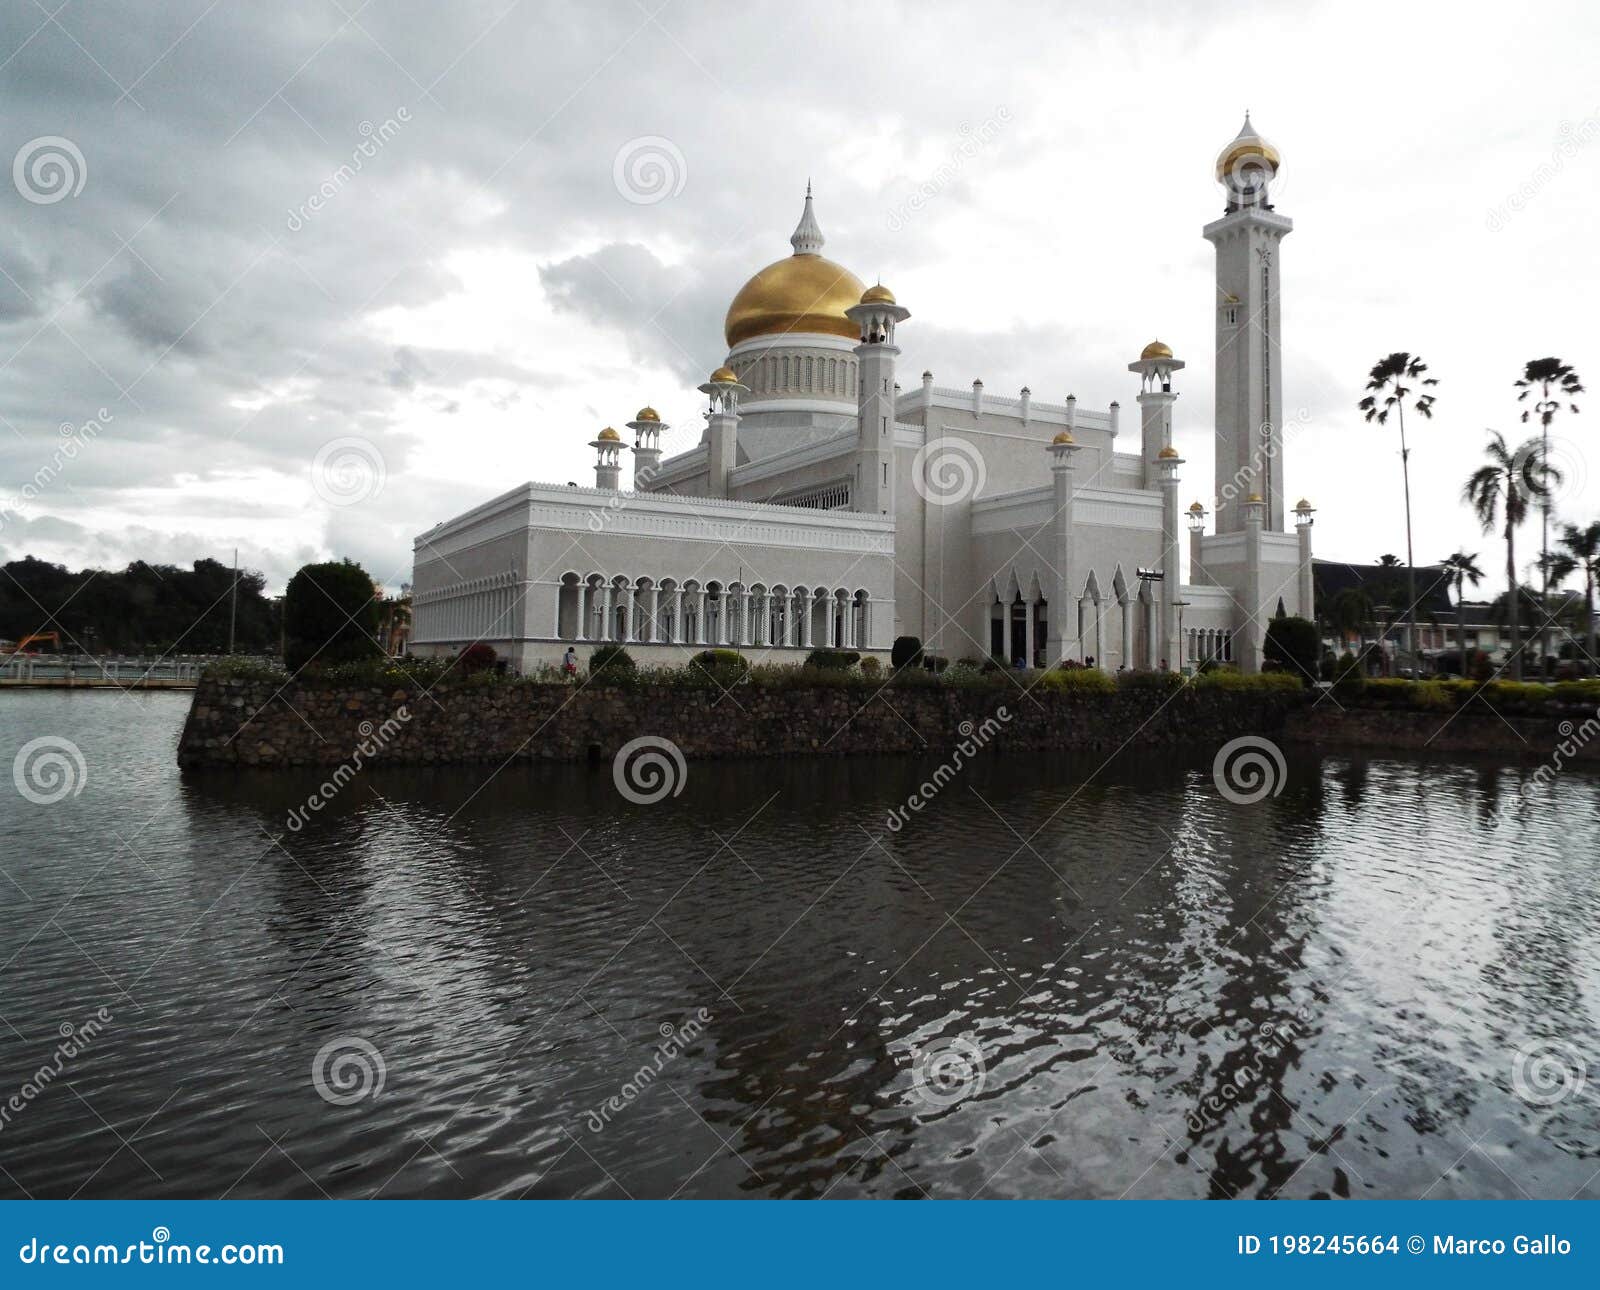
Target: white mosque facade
column 825, row 505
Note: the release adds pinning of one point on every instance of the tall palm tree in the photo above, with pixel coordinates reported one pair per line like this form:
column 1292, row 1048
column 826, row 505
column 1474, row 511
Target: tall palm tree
column 1583, row 545
column 1462, row 568
column 1552, row 381
column 1388, row 388
column 1500, row 491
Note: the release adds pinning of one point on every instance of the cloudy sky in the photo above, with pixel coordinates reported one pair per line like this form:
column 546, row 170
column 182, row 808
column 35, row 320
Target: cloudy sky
column 336, row 271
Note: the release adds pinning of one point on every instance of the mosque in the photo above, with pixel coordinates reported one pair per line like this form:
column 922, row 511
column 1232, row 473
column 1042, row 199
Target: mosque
column 827, row 505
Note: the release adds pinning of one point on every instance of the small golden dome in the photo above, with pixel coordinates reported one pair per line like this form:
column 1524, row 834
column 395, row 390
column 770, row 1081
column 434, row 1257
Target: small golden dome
column 1155, row 349
column 1303, row 505
column 724, row 376
column 608, row 435
column 1197, row 509
column 878, row 295
column 647, row 414
column 1167, row 453
column 1064, row 437
column 1253, row 498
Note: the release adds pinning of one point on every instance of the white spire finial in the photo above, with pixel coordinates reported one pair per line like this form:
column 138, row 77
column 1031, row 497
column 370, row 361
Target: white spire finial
column 807, row 237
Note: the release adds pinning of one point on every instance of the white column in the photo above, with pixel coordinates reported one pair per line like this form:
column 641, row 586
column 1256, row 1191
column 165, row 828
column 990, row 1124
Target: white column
column 605, row 627
column 583, row 611
column 808, row 611
column 699, row 617
column 1010, row 644
column 764, row 635
column 655, row 620
column 630, row 602
column 1127, row 633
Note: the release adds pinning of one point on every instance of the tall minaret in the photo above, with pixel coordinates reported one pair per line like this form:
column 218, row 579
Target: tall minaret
column 1249, row 417
column 872, row 489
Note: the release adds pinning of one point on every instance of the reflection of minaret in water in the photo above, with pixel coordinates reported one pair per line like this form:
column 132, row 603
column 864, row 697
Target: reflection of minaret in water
column 1249, row 394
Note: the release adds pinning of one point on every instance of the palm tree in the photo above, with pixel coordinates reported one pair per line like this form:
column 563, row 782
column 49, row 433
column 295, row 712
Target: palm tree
column 1552, row 380
column 1462, row 568
column 1583, row 545
column 1350, row 610
column 1389, row 392
column 1499, row 491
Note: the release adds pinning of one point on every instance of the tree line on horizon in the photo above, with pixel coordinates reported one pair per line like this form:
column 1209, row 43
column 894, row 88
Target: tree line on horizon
column 143, row 608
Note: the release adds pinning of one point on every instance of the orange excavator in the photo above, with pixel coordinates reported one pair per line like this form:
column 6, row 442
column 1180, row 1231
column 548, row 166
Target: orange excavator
column 37, row 638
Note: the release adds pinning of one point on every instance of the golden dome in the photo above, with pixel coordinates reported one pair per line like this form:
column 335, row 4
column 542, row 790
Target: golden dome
column 878, row 295
column 1254, row 498
column 1248, row 151
column 801, row 293
column 647, row 414
column 608, row 435
column 1303, row 505
column 1064, row 437
column 1197, row 509
column 1155, row 349
column 1167, row 453
column 724, row 376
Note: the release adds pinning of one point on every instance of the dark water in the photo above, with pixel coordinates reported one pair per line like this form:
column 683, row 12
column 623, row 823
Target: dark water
column 1058, row 980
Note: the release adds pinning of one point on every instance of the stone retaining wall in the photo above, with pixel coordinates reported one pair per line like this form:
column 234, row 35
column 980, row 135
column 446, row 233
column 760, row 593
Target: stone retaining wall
column 1575, row 734
column 250, row 723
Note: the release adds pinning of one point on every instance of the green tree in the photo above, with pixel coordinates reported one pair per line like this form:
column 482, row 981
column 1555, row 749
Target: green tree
column 330, row 615
column 1390, row 383
column 1462, row 568
column 1499, row 492
column 1548, row 381
column 1295, row 645
column 1583, row 546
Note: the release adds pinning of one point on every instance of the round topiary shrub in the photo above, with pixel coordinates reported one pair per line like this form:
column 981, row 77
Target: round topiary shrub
column 870, row 667
column 611, row 659
column 905, row 652
column 724, row 666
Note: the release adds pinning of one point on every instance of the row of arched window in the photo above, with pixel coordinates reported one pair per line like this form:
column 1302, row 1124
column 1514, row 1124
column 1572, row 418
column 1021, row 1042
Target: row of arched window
column 669, row 612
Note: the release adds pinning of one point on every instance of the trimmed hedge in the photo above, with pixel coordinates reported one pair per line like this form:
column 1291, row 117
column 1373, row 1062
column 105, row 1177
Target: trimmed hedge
column 721, row 668
column 833, row 658
column 1078, row 680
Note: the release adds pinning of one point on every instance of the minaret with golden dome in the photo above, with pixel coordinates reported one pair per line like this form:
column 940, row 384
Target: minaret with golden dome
column 875, row 316
column 607, row 447
column 1249, row 376
column 647, row 426
column 1155, row 366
